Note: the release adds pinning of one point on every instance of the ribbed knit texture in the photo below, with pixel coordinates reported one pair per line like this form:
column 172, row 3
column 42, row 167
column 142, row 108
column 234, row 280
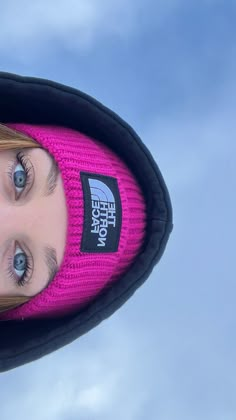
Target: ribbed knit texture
column 82, row 276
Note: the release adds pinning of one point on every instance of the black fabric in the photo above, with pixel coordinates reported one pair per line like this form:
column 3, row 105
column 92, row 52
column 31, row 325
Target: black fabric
column 40, row 101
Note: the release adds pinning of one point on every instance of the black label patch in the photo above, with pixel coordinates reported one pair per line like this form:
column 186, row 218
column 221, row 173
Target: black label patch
column 102, row 213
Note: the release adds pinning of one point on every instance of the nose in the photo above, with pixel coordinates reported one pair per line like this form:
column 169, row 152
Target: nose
column 16, row 219
column 42, row 221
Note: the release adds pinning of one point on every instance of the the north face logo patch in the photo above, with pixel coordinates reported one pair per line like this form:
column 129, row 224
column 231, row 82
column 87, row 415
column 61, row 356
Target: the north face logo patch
column 102, row 213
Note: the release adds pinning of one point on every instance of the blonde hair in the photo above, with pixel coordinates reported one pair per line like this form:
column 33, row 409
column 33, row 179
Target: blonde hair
column 11, row 139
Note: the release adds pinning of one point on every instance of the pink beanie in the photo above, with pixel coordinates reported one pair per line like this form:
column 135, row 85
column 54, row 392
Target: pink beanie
column 106, row 221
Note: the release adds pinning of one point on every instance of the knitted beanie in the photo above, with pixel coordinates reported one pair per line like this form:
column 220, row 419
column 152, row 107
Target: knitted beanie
column 106, row 221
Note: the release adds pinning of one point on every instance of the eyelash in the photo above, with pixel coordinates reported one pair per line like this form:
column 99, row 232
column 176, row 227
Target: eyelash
column 24, row 278
column 27, row 167
column 24, row 161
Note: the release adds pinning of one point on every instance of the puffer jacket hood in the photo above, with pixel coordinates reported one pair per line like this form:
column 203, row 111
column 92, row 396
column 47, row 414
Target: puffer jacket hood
column 39, row 101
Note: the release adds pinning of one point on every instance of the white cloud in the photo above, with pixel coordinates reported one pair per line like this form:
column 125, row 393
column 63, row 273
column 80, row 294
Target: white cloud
column 76, row 24
column 92, row 377
column 187, row 146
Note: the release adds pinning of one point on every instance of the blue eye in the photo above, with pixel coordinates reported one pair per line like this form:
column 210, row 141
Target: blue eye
column 20, row 177
column 20, row 267
column 20, row 262
column 21, row 174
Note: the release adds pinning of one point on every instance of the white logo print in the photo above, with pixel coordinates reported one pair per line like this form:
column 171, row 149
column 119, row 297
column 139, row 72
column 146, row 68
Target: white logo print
column 103, row 209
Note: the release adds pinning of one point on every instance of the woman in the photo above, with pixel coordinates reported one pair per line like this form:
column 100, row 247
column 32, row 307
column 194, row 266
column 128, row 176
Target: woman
column 32, row 204
column 85, row 215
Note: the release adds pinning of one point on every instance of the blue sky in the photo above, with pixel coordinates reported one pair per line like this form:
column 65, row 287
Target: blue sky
column 167, row 67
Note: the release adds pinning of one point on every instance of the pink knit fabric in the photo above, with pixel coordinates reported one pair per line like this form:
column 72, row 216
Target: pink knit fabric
column 82, row 275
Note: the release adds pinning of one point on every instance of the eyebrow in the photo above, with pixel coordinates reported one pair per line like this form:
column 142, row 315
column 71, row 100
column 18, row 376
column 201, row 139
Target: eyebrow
column 51, row 181
column 51, row 262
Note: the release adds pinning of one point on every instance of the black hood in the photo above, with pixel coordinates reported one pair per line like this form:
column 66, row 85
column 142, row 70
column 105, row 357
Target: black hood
column 40, row 101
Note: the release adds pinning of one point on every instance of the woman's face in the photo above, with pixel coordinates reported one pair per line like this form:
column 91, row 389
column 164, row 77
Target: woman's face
column 33, row 221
